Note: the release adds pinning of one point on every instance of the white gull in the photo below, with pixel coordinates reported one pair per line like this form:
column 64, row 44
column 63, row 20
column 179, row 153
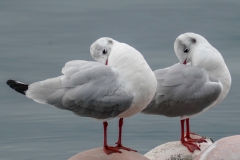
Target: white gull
column 200, row 82
column 121, row 88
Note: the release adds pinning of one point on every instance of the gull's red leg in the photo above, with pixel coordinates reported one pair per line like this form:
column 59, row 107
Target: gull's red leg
column 108, row 149
column 190, row 145
column 119, row 142
column 188, row 137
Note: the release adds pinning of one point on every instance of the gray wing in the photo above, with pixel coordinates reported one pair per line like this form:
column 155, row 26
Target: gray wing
column 182, row 90
column 88, row 89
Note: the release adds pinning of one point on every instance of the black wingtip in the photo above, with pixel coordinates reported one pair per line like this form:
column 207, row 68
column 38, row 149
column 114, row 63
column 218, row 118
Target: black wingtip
column 9, row 82
column 17, row 86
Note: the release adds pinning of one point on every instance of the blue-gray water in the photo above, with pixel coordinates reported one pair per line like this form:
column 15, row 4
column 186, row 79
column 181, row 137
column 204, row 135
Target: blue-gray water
column 38, row 37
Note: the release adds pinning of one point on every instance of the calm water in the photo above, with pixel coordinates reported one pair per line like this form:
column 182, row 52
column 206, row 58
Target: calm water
column 38, row 37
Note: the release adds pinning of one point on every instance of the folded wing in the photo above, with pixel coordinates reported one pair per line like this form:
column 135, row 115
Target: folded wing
column 88, row 89
column 183, row 90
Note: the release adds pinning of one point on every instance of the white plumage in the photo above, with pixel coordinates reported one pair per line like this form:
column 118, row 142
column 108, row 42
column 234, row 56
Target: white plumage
column 120, row 87
column 200, row 82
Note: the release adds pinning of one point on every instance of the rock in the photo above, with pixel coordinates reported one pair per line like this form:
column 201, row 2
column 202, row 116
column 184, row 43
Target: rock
column 176, row 151
column 227, row 148
column 99, row 154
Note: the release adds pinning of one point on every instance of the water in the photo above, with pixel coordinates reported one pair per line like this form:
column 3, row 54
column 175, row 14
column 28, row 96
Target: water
column 38, row 37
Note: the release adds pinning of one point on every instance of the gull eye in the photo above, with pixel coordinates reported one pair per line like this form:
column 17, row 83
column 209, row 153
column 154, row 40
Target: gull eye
column 104, row 51
column 186, row 50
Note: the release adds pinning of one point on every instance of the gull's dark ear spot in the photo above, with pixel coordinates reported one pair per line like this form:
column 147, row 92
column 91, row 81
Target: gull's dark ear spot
column 110, row 41
column 193, row 40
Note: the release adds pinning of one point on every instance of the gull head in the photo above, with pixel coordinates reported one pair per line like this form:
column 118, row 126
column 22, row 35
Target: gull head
column 186, row 45
column 101, row 49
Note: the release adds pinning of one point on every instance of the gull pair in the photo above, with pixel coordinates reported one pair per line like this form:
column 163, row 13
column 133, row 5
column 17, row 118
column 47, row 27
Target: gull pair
column 123, row 84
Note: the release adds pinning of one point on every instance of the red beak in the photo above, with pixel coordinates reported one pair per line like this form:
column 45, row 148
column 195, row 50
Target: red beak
column 106, row 62
column 185, row 62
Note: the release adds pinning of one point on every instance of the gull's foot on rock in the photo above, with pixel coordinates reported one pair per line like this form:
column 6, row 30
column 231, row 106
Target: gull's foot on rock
column 120, row 146
column 191, row 146
column 109, row 150
column 197, row 140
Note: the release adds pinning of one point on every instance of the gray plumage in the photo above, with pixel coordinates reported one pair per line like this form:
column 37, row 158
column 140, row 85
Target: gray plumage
column 88, row 89
column 182, row 91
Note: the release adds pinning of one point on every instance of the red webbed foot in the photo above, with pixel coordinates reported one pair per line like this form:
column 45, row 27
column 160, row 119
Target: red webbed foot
column 191, row 146
column 120, row 146
column 109, row 150
column 197, row 140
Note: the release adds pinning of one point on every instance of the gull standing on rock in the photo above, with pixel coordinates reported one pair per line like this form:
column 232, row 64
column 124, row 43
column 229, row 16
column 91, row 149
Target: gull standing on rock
column 121, row 87
column 200, row 82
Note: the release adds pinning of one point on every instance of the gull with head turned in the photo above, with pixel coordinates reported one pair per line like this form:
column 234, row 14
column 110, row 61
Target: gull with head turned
column 120, row 86
column 199, row 82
